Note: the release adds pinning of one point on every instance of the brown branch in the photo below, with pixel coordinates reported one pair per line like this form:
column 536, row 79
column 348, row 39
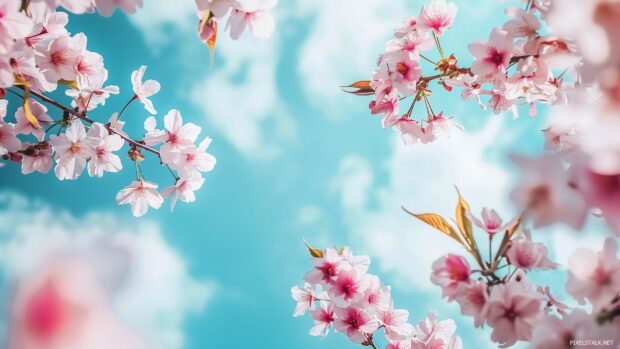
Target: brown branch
column 134, row 143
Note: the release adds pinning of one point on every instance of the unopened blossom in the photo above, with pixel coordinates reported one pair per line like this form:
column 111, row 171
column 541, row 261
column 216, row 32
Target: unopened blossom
column 72, row 150
column 323, row 318
column 354, row 323
column 103, row 146
column 57, row 60
column 140, row 195
column 437, row 16
column 25, row 127
column 525, row 254
column 9, row 143
column 492, row 56
column 449, row 272
column 14, row 24
column 305, row 298
column 325, row 268
column 546, row 193
column 143, row 90
column 513, row 310
column 107, row 7
column 256, row 16
column 473, row 298
column 37, row 157
column 594, row 276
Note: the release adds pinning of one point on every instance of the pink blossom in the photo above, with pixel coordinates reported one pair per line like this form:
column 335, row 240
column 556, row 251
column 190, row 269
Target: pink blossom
column 513, row 310
column 184, row 189
column 431, row 334
column 376, row 296
column 594, row 276
column 103, row 146
column 57, row 60
column 394, row 322
column 305, row 298
column 473, row 298
column 72, row 150
column 143, row 90
column 348, row 287
column 14, row 24
column 409, row 25
column 522, row 24
column 36, row 157
column 140, row 195
column 442, row 125
column 551, row 301
column 360, row 263
column 404, row 73
column 492, row 56
column 449, row 272
column 107, row 7
column 601, row 191
column 491, row 221
column 325, row 268
column 94, row 94
column 178, row 137
column 219, row 8
column 412, row 132
column 323, row 318
column 525, row 254
column 554, row 332
column 195, row 159
column 354, row 323
column 412, row 44
column 545, row 192
column 437, row 16
column 24, row 127
column 9, row 143
column 23, row 64
column 258, row 17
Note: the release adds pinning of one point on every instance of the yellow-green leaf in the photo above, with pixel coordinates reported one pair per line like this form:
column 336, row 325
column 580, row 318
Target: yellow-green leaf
column 70, row 84
column 314, row 252
column 463, row 222
column 437, row 222
column 27, row 111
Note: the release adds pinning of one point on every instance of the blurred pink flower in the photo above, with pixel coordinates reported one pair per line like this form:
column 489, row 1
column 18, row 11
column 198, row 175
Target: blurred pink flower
column 513, row 310
column 594, row 277
column 525, row 254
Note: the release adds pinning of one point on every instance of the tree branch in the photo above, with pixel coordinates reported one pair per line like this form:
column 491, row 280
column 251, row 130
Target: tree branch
column 45, row 99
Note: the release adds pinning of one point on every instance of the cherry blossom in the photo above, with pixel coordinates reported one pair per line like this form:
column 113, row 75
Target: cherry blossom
column 525, row 254
column 437, row 16
column 323, row 318
column 24, row 126
column 513, row 310
column 103, row 146
column 257, row 16
column 595, row 276
column 492, row 56
column 356, row 324
column 14, row 24
column 143, row 90
column 140, row 195
column 546, row 192
column 9, row 142
column 449, row 272
column 72, row 150
column 37, row 157
column 107, row 7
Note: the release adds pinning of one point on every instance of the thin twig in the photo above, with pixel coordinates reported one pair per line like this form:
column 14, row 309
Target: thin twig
column 48, row 100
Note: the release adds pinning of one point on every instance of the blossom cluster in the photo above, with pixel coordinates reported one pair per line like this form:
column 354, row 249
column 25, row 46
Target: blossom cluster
column 497, row 291
column 340, row 293
column 516, row 66
column 39, row 56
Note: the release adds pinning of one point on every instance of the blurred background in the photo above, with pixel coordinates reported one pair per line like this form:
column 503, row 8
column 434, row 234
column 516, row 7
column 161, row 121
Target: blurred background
column 297, row 158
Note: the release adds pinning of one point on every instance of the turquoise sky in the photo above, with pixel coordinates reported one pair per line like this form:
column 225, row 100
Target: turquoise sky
column 292, row 152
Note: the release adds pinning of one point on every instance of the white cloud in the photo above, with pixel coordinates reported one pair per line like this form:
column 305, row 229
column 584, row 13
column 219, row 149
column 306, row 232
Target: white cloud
column 420, row 178
column 242, row 101
column 161, row 20
column 151, row 287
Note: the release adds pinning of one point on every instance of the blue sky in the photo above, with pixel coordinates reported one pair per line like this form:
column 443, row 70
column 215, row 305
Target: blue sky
column 296, row 159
